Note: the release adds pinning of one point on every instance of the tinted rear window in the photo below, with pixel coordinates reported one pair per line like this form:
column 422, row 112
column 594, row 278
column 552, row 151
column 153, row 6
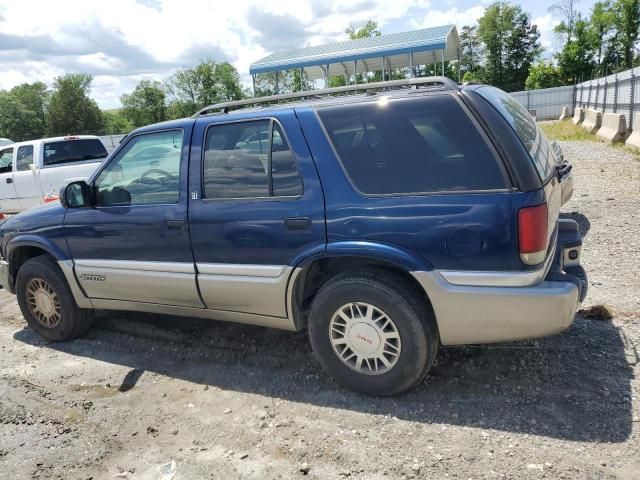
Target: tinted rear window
column 414, row 145
column 525, row 127
column 69, row 151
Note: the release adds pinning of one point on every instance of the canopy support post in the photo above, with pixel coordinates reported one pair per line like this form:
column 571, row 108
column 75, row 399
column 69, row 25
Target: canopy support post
column 411, row 72
column 253, row 77
column 382, row 64
column 355, row 72
column 442, row 62
column 277, row 86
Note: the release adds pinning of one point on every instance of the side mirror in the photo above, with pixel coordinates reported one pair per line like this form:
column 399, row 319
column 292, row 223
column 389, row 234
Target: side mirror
column 32, row 167
column 76, row 195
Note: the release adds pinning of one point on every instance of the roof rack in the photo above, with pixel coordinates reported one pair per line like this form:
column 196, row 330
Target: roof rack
column 443, row 82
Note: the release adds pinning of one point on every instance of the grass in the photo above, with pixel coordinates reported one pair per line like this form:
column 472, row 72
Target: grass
column 566, row 130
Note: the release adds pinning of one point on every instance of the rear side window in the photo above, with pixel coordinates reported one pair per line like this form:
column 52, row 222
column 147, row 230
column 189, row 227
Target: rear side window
column 24, row 158
column 249, row 160
column 415, row 145
column 525, row 127
column 69, row 151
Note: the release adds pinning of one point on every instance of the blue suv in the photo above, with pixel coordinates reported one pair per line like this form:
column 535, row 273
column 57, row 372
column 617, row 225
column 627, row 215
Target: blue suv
column 386, row 223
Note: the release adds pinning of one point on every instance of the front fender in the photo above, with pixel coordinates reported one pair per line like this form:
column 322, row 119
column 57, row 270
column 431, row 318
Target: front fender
column 36, row 241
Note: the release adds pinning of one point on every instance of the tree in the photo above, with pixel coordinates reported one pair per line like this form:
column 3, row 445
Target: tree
column 601, row 24
column 543, row 75
column 369, row 29
column 567, row 10
column 627, row 23
column 23, row 111
column 145, row 105
column 471, row 51
column 191, row 89
column 71, row 111
column 576, row 57
column 116, row 123
column 511, row 44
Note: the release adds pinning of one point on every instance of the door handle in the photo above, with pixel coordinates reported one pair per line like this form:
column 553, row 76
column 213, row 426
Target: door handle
column 175, row 224
column 9, row 180
column 299, row 223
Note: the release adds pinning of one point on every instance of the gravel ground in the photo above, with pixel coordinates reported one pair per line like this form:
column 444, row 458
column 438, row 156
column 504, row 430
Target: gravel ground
column 148, row 397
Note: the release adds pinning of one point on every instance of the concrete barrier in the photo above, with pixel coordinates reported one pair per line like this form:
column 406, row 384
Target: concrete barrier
column 634, row 138
column 565, row 114
column 614, row 128
column 592, row 120
column 578, row 116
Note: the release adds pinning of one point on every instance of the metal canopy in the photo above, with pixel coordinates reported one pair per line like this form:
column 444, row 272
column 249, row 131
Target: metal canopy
column 405, row 49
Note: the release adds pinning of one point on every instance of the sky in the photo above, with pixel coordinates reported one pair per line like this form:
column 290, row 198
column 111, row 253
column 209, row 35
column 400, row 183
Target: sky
column 121, row 42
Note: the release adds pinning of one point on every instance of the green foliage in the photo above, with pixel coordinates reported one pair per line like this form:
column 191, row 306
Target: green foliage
column 191, row 89
column 116, row 123
column 369, row 29
column 576, row 57
column 543, row 75
column 470, row 52
column 511, row 43
column 71, row 111
column 627, row 24
column 23, row 111
column 145, row 105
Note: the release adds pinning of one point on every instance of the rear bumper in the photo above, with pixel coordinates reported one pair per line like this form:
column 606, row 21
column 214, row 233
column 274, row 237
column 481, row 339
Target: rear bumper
column 486, row 314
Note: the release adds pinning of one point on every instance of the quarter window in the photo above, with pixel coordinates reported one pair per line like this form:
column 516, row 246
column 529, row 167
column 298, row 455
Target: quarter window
column 249, row 160
column 145, row 171
column 411, row 146
column 24, row 158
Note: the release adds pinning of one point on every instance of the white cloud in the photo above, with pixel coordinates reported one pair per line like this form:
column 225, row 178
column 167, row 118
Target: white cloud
column 548, row 38
column 460, row 18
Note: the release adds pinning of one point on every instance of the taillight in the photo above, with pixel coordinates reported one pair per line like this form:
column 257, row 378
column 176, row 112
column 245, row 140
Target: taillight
column 533, row 227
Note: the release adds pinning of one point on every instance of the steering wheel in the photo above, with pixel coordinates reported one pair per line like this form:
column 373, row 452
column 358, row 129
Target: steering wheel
column 153, row 171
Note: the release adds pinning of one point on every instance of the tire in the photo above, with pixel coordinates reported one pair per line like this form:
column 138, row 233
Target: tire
column 413, row 334
column 60, row 318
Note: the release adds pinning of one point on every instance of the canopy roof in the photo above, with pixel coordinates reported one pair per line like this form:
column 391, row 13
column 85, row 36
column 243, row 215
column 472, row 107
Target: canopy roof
column 428, row 45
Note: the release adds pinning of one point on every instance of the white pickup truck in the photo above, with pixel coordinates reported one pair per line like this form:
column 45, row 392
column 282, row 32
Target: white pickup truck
column 33, row 172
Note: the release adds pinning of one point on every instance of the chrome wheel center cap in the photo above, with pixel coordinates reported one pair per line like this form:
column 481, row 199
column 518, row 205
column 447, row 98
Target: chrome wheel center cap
column 364, row 338
column 44, row 302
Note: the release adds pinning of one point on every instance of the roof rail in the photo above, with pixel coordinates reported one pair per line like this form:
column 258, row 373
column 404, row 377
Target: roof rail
column 444, row 82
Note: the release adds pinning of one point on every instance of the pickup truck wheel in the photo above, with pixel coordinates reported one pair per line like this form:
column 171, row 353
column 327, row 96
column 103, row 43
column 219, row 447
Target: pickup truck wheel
column 47, row 303
column 372, row 333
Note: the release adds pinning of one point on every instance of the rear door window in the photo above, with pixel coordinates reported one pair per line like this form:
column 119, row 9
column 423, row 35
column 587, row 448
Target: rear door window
column 6, row 160
column 24, row 158
column 69, row 151
column 525, row 127
column 411, row 146
column 249, row 159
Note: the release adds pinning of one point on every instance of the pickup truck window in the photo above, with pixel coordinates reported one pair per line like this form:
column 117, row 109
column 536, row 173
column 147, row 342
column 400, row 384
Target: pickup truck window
column 24, row 158
column 69, row 151
column 145, row 171
column 411, row 146
column 249, row 160
column 6, row 160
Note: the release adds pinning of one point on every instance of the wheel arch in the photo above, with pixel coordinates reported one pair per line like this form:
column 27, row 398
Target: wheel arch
column 310, row 274
column 21, row 249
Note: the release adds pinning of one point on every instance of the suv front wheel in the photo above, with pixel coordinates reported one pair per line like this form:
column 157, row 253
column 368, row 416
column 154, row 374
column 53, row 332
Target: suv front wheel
column 372, row 332
column 47, row 303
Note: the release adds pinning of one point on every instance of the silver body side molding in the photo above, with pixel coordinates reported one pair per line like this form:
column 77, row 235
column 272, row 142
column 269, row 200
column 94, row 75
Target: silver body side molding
column 238, row 317
column 253, row 294
column 67, row 268
column 498, row 279
column 481, row 314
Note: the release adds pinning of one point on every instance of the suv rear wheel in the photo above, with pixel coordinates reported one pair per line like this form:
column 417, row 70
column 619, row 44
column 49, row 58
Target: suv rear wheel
column 372, row 332
column 46, row 301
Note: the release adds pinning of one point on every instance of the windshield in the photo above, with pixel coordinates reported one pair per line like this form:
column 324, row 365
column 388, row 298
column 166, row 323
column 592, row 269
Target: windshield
column 69, row 151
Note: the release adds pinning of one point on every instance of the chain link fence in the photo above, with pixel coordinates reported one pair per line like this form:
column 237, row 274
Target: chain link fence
column 617, row 93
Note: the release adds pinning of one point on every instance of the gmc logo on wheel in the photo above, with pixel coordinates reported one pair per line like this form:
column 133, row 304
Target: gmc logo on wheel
column 364, row 339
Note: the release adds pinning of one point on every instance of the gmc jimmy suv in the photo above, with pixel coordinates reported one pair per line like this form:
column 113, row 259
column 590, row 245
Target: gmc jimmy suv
column 386, row 223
